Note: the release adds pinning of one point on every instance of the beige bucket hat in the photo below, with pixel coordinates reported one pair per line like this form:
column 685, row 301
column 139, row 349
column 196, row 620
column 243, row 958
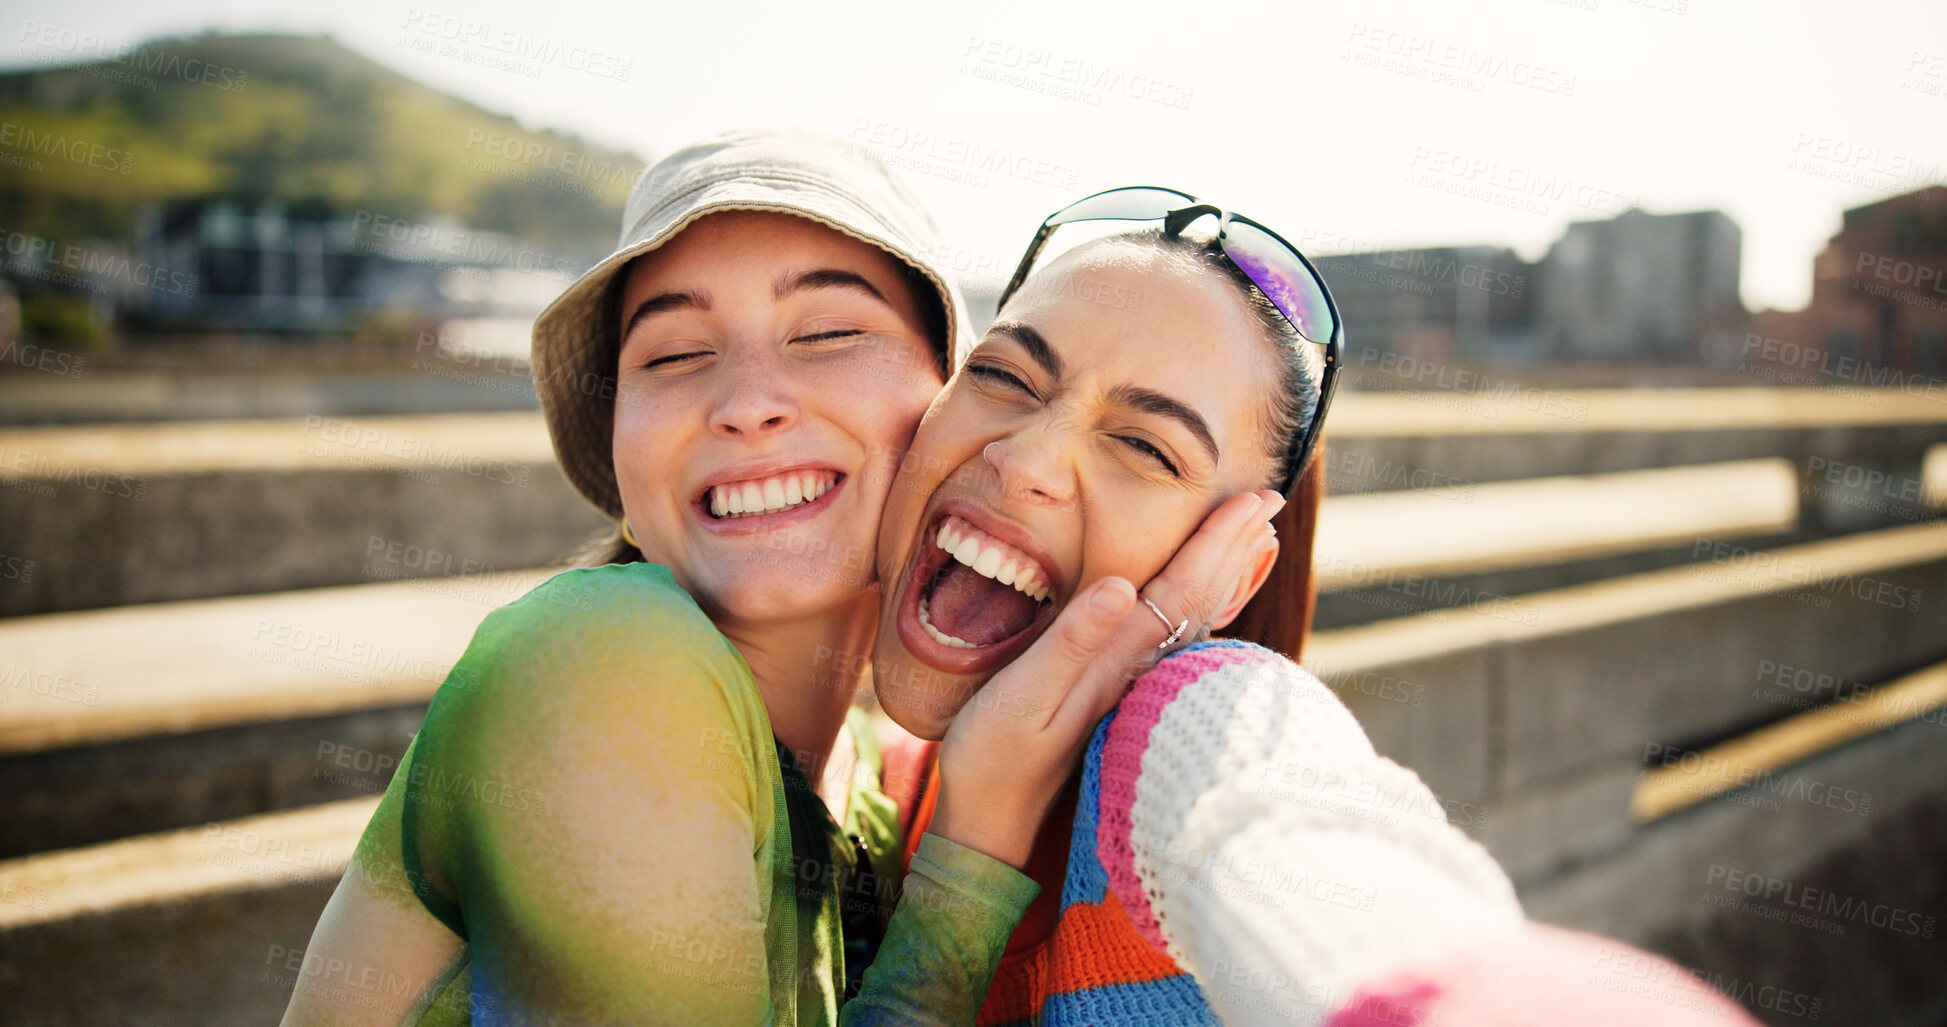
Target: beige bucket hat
column 818, row 177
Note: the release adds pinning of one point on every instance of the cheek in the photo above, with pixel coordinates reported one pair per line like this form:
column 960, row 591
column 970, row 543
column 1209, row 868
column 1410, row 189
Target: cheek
column 881, row 404
column 946, row 439
column 1135, row 539
column 640, row 439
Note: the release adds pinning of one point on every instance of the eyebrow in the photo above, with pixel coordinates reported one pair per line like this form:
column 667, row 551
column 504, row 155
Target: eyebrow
column 1148, row 401
column 786, row 284
column 662, row 303
column 1033, row 342
column 824, row 278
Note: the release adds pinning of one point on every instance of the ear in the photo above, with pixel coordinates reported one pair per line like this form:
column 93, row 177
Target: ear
column 1248, row 583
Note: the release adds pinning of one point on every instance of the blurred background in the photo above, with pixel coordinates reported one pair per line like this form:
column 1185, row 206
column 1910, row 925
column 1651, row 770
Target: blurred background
column 1634, row 545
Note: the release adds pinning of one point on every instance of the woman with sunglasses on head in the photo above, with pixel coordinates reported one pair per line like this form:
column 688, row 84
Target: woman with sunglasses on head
column 644, row 794
column 1230, row 849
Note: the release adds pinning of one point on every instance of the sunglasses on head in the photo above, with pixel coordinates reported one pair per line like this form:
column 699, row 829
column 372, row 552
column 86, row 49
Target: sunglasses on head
column 1274, row 266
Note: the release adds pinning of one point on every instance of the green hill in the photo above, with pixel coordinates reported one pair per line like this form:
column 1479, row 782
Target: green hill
column 298, row 119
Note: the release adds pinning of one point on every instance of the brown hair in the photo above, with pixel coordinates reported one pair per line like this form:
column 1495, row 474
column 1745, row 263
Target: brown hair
column 1279, row 616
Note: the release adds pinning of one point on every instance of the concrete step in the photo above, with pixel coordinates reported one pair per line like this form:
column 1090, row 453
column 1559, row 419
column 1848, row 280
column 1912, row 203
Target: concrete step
column 211, row 709
column 259, row 383
column 114, row 514
column 1538, row 713
column 1812, row 893
column 108, row 515
column 1473, row 699
column 141, row 671
column 1385, row 554
column 206, row 925
column 151, row 717
column 1804, row 911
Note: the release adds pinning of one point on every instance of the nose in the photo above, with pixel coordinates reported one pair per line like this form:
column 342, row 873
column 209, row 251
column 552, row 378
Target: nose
column 755, row 400
column 1033, row 466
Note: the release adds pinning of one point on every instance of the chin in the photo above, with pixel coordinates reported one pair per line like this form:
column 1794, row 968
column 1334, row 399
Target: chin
column 790, row 592
column 918, row 698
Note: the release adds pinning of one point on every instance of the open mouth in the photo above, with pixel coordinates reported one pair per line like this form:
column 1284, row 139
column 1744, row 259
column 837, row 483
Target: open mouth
column 974, row 599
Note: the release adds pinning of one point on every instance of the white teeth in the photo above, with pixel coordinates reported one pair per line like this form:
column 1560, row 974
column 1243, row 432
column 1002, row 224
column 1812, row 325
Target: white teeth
column 939, row 636
column 988, row 563
column 769, row 495
column 991, row 558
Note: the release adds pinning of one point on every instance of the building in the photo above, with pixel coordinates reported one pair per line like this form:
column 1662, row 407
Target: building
column 1433, row 305
column 1641, row 286
column 265, row 267
column 1878, row 315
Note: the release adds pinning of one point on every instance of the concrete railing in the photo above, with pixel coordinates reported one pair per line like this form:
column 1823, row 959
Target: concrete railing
column 206, row 926
column 1538, row 715
column 1536, row 720
column 214, row 704
column 108, row 515
column 142, row 718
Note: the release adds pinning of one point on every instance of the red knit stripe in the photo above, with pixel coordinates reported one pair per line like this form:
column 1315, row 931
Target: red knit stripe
column 1094, row 945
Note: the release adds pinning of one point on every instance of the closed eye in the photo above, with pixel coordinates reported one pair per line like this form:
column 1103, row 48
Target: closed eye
column 830, row 336
column 1144, row 447
column 998, row 376
column 675, row 357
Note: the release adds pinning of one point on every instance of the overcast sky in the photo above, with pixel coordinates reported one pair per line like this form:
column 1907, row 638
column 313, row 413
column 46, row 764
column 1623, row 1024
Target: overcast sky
column 1344, row 125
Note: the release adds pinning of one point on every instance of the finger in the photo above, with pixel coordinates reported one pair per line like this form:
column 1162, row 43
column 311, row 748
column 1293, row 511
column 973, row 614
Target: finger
column 1199, row 578
column 1093, row 663
column 1241, row 559
column 1042, row 677
column 1188, row 592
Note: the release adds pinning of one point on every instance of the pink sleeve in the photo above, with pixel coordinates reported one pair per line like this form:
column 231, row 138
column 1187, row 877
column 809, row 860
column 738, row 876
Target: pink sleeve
column 1543, row 976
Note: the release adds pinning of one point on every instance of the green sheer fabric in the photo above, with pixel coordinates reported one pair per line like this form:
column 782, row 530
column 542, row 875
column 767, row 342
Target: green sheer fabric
column 597, row 807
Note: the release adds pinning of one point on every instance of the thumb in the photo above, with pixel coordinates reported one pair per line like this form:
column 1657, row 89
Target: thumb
column 1085, row 644
column 1046, row 675
column 1090, row 621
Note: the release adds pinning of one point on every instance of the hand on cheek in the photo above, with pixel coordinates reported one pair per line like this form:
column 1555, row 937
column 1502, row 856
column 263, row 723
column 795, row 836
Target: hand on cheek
column 1011, row 747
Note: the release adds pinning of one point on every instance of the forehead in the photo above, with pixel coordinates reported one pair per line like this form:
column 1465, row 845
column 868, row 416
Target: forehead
column 1122, row 314
column 753, row 241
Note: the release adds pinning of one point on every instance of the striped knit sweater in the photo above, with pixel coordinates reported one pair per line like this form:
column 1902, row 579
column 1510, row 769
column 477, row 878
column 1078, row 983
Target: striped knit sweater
column 1240, row 854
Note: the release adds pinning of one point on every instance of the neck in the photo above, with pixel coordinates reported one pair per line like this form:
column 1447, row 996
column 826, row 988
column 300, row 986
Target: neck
column 808, row 670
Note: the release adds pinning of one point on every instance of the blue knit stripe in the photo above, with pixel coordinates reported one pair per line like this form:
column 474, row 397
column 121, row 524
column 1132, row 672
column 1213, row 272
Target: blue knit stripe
column 1166, row 1002
column 1085, row 880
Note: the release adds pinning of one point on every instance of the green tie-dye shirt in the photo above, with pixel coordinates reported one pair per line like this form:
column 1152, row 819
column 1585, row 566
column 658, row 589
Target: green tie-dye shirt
column 595, row 805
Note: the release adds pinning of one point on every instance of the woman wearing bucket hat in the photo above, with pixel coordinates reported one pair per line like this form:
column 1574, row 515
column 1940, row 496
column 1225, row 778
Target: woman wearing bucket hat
column 643, row 794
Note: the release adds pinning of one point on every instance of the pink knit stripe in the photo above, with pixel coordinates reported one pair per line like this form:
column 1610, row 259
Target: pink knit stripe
column 1122, row 760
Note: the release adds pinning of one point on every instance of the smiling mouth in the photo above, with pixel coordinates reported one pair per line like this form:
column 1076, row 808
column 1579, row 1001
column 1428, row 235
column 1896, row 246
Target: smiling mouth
column 773, row 494
column 977, row 591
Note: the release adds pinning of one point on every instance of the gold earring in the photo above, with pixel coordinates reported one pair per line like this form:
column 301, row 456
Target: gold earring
column 627, row 536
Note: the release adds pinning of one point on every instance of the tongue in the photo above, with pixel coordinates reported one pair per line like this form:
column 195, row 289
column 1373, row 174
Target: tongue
column 975, row 608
